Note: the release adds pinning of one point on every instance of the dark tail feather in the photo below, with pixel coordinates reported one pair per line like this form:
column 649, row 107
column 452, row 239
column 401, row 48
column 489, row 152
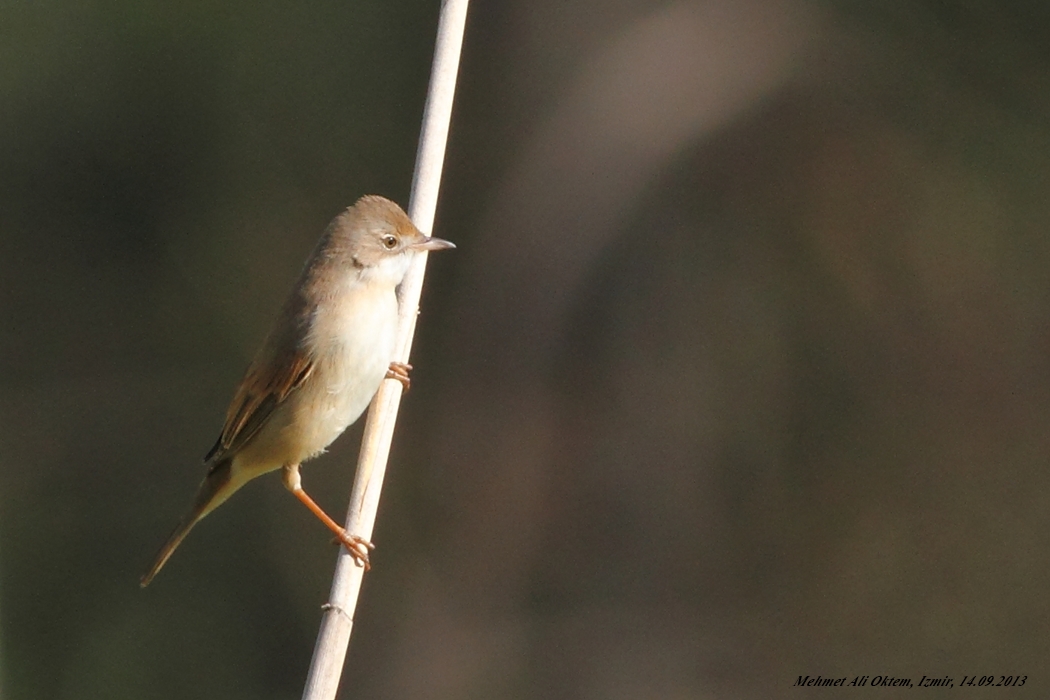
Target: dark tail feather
column 215, row 489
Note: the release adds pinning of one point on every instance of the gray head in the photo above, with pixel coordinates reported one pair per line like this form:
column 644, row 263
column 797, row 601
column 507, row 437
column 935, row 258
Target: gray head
column 375, row 238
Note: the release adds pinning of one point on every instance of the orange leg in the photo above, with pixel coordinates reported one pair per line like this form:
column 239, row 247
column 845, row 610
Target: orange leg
column 357, row 546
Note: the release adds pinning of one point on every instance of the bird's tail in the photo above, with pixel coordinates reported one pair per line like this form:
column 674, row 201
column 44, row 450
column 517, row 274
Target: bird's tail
column 216, row 488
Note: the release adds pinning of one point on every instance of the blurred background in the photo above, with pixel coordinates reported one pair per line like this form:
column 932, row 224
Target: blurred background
column 740, row 372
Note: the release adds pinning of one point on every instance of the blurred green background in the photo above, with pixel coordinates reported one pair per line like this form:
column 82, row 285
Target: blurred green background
column 740, row 371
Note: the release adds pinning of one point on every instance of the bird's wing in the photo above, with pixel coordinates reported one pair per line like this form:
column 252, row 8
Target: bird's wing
column 265, row 386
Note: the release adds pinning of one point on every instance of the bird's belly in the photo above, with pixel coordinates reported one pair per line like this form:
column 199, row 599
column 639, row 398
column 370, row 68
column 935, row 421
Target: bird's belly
column 339, row 401
column 346, row 376
column 351, row 355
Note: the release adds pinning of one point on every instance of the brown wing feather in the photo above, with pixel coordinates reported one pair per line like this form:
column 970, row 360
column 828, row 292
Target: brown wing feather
column 265, row 386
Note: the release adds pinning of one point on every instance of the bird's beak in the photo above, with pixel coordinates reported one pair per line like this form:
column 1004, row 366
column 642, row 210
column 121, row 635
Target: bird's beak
column 432, row 244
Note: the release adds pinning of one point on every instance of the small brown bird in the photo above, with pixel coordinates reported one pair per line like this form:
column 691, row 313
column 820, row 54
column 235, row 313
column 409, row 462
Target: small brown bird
column 319, row 367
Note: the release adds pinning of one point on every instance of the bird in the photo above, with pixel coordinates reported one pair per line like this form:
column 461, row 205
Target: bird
column 325, row 357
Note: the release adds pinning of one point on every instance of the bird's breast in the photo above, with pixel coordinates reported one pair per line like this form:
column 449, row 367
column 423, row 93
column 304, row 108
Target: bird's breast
column 352, row 343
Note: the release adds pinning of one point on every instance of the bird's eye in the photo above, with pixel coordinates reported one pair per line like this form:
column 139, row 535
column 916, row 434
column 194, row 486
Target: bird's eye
column 389, row 242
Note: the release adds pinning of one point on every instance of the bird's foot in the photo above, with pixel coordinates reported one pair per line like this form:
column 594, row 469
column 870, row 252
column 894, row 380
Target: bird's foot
column 358, row 547
column 399, row 371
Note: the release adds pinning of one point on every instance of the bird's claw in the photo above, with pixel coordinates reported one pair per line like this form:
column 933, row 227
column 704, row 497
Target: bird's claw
column 358, row 547
column 399, row 371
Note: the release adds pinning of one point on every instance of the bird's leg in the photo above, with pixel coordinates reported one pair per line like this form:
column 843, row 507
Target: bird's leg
column 399, row 371
column 357, row 546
